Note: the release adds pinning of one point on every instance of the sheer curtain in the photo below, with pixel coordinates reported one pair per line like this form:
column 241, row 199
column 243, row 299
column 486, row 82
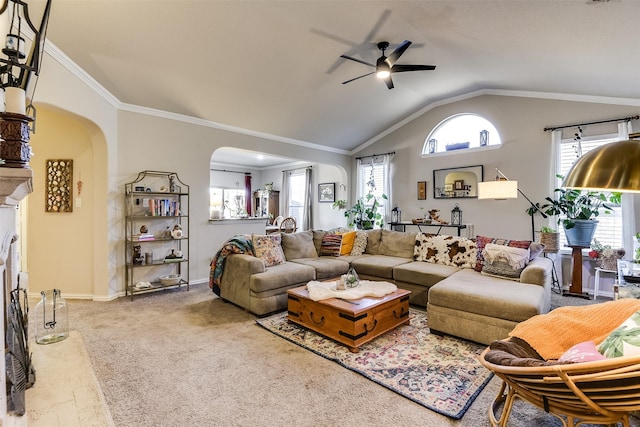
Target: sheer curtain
column 307, row 217
column 374, row 175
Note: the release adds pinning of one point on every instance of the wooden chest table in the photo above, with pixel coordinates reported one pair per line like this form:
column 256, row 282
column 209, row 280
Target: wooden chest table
column 350, row 322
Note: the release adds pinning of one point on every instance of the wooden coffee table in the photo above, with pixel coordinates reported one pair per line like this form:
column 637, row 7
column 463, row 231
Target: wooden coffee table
column 350, row 322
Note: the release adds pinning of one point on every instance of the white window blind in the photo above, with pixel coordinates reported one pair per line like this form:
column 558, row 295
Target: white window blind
column 609, row 230
column 366, row 182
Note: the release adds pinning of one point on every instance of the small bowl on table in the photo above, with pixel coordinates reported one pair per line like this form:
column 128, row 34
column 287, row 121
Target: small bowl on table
column 171, row 279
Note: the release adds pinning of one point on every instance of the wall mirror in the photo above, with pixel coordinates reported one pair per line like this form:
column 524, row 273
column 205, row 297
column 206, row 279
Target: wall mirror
column 457, row 183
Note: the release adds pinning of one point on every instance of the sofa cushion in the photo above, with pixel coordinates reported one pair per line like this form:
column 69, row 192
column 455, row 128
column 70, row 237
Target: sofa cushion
column 268, row 248
column 331, row 244
column 380, row 266
column 298, row 245
column 445, row 250
column 623, row 341
column 397, row 243
column 504, row 261
column 469, row 291
column 359, row 244
column 280, row 276
column 348, row 238
column 373, row 241
column 422, row 273
column 481, row 242
column 325, row 267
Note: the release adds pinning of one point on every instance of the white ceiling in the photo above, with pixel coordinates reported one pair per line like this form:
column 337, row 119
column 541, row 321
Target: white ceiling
column 273, row 67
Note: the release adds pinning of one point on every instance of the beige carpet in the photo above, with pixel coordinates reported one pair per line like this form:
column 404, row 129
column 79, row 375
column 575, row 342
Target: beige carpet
column 178, row 358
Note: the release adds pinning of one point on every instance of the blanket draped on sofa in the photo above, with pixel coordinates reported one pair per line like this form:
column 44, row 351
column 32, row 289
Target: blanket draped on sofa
column 235, row 245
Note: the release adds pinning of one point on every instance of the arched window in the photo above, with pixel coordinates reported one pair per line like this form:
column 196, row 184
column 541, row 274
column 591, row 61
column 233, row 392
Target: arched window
column 461, row 132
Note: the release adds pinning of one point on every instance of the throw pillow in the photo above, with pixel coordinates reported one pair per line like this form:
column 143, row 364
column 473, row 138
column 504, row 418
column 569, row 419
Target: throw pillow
column 581, row 352
column 504, row 261
column 268, row 248
column 298, row 245
column 359, row 244
column 446, row 250
column 624, row 340
column 348, row 238
column 331, row 244
column 481, row 242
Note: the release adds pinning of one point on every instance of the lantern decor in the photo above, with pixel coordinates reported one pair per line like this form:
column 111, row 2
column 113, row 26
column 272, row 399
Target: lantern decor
column 432, row 145
column 396, row 215
column 51, row 318
column 456, row 215
column 484, row 138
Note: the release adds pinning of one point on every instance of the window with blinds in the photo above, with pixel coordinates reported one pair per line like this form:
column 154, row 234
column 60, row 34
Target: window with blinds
column 609, row 230
column 372, row 178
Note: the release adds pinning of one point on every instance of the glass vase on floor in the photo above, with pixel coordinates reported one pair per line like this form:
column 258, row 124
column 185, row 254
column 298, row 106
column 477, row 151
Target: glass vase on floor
column 51, row 318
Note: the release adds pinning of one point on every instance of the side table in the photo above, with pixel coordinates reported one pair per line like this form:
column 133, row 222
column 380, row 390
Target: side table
column 596, row 281
column 576, row 275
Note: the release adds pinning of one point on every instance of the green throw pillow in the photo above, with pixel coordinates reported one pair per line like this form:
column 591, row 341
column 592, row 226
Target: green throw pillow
column 624, row 340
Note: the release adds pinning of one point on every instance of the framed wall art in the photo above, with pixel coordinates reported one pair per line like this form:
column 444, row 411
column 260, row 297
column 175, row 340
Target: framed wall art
column 422, row 190
column 59, row 190
column 327, row 192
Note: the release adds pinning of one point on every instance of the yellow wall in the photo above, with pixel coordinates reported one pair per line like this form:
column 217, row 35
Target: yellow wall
column 61, row 244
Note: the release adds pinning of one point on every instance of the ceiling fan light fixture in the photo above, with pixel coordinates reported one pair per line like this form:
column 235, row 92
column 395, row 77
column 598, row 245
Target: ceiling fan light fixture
column 383, row 74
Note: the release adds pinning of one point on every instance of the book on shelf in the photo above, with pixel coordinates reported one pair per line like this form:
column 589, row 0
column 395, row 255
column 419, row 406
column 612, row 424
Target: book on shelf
column 144, row 236
column 164, row 207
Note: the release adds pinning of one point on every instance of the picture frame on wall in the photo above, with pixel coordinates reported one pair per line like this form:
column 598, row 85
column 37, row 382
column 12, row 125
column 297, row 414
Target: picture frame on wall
column 422, row 190
column 327, row 192
column 458, row 184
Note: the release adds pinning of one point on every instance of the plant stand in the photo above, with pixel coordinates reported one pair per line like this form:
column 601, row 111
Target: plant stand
column 576, row 275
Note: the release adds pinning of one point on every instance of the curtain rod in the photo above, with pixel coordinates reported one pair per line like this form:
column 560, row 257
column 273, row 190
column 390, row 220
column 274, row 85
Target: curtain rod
column 622, row 119
column 374, row 155
column 298, row 169
column 224, row 170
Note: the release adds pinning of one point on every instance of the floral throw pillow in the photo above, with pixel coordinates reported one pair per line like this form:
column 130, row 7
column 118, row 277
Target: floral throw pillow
column 268, row 248
column 624, row 340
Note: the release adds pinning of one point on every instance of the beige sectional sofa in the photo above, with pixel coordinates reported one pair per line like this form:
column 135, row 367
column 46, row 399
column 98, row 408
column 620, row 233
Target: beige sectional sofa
column 460, row 301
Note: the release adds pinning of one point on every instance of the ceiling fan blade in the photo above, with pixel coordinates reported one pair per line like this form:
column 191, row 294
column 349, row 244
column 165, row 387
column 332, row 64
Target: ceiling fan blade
column 401, row 68
column 391, row 59
column 357, row 60
column 359, row 77
column 389, row 82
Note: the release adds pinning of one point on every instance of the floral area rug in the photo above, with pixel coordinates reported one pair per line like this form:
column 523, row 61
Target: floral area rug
column 440, row 373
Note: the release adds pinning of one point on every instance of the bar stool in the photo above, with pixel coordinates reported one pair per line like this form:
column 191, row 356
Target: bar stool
column 596, row 281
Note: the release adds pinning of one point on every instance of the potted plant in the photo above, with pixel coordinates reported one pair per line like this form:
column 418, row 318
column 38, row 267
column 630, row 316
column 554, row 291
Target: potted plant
column 577, row 211
column 549, row 237
column 364, row 214
column 339, row 204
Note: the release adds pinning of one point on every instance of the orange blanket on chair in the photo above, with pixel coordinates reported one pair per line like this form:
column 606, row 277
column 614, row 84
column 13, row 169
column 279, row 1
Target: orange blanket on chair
column 554, row 333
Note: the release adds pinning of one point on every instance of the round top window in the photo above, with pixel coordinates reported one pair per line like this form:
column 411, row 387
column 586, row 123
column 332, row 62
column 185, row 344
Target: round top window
column 460, row 132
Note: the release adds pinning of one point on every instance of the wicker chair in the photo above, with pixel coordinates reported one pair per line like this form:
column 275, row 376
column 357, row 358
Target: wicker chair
column 288, row 225
column 601, row 392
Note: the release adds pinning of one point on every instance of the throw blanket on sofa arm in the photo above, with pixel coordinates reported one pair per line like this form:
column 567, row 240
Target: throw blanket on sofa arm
column 235, row 245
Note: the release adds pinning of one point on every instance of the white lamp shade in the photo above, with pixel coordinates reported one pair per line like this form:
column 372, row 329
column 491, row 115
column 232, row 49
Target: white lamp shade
column 498, row 189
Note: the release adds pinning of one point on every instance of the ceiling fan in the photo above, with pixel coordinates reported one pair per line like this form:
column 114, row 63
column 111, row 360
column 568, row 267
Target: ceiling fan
column 386, row 65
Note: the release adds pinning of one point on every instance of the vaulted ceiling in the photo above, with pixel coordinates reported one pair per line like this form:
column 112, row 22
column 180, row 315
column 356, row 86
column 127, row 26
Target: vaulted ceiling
column 274, row 67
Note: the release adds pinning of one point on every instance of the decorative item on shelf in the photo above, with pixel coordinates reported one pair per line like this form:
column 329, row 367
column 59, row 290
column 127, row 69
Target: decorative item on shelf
column 432, row 144
column 176, row 233
column 396, row 214
column 148, row 258
column 144, row 229
column 484, row 138
column 173, row 256
column 170, row 280
column 606, row 257
column 434, row 217
column 351, row 279
column 51, row 318
column 137, row 255
column 268, row 187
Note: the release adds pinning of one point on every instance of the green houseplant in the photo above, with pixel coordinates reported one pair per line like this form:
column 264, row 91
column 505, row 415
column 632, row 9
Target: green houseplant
column 364, row 214
column 577, row 211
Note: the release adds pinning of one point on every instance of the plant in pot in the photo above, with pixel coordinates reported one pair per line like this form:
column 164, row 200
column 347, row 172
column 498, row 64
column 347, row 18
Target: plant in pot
column 577, row 211
column 364, row 214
